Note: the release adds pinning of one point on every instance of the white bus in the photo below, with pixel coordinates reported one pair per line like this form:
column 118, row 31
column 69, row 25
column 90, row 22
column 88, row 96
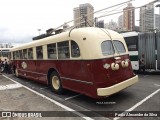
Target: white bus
column 144, row 44
column 131, row 39
column 4, row 53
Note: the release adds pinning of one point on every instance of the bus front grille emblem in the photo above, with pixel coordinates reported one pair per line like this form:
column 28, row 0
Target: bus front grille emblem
column 24, row 65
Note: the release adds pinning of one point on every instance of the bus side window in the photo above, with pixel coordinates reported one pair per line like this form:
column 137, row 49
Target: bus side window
column 63, row 50
column 20, row 54
column 51, row 49
column 39, row 52
column 25, row 54
column 17, row 55
column 30, row 53
column 75, row 52
column 14, row 55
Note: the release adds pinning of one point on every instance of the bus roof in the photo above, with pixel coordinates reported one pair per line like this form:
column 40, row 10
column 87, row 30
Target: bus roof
column 129, row 34
column 89, row 40
column 76, row 34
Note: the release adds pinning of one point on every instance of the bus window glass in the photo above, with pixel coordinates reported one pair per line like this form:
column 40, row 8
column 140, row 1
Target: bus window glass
column 119, row 46
column 5, row 53
column 39, row 51
column 107, row 48
column 25, row 53
column 63, row 50
column 132, row 43
column 21, row 54
column 14, row 55
column 17, row 55
column 75, row 52
column 30, row 53
column 51, row 49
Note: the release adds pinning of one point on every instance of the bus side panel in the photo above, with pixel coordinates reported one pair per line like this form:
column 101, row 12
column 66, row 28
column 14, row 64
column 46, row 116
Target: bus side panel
column 77, row 76
column 41, row 70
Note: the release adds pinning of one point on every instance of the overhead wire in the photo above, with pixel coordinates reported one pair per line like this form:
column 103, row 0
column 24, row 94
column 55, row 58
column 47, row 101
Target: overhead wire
column 93, row 13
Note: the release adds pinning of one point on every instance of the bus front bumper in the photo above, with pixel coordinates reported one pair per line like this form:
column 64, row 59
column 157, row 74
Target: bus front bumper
column 116, row 88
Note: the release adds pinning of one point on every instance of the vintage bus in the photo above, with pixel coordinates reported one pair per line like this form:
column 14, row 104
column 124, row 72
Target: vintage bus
column 90, row 61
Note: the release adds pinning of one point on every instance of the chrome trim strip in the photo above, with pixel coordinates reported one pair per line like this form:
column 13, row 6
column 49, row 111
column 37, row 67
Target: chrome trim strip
column 32, row 72
column 77, row 80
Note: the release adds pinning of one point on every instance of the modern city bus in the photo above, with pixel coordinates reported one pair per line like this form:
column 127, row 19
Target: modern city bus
column 4, row 53
column 144, row 44
column 91, row 61
column 131, row 39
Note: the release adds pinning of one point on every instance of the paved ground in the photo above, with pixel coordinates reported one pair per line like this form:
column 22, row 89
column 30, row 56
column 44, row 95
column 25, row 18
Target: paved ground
column 30, row 96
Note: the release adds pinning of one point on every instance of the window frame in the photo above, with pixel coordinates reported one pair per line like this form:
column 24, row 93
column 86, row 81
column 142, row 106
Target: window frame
column 54, row 48
column 39, row 52
column 121, row 43
column 79, row 52
column 63, row 52
column 104, row 54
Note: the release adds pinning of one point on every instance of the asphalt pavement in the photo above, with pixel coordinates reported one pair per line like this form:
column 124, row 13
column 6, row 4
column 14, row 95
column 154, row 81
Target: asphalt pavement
column 26, row 99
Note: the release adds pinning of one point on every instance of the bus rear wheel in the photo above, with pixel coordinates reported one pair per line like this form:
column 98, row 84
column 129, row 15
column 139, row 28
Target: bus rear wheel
column 56, row 83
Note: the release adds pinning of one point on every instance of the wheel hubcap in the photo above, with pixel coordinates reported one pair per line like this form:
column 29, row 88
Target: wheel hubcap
column 55, row 82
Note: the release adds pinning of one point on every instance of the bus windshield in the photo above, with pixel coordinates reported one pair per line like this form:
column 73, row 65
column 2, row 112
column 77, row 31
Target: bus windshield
column 119, row 46
column 5, row 53
column 108, row 49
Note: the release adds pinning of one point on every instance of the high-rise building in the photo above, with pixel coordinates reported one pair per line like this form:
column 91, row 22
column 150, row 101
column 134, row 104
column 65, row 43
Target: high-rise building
column 120, row 23
column 83, row 15
column 129, row 17
column 157, row 21
column 100, row 24
column 147, row 18
column 111, row 25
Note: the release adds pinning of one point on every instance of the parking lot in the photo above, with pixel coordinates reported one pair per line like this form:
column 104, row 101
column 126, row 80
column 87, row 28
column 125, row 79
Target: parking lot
column 141, row 99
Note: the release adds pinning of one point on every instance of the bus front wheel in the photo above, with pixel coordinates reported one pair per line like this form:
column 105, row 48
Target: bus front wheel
column 55, row 83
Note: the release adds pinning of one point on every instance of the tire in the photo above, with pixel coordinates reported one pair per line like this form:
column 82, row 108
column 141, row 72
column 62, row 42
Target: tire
column 56, row 83
column 16, row 72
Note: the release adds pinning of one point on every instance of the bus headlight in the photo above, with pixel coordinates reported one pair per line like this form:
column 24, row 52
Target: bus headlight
column 124, row 64
column 115, row 66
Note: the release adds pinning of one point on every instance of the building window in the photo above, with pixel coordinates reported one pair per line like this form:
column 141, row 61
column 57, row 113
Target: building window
column 51, row 49
column 39, row 52
column 63, row 50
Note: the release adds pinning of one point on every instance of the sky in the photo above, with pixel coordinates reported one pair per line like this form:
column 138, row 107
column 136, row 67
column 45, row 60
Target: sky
column 21, row 19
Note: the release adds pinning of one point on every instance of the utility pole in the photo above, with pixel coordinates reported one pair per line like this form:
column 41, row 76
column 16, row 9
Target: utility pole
column 158, row 5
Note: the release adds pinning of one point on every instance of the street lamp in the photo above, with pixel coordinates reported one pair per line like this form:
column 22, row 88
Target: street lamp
column 158, row 5
column 39, row 31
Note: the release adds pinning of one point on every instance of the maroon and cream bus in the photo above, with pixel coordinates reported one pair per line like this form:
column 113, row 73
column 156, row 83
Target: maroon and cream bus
column 90, row 61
